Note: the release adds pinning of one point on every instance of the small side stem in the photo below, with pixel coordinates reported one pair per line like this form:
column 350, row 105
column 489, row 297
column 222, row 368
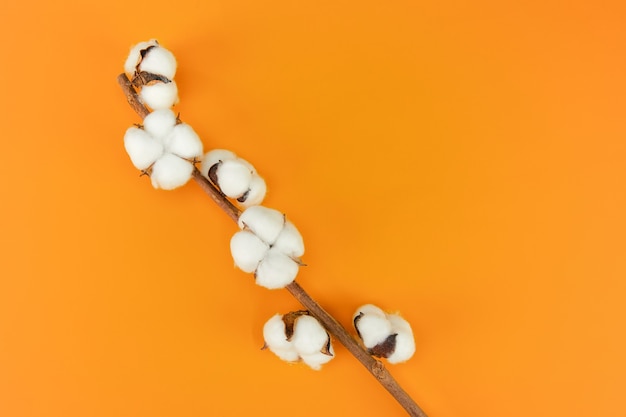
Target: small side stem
column 375, row 367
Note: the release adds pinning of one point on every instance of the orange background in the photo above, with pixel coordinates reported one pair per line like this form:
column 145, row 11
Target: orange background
column 461, row 162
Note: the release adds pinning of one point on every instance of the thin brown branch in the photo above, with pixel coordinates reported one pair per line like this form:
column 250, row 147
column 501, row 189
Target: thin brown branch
column 375, row 367
column 217, row 196
column 131, row 96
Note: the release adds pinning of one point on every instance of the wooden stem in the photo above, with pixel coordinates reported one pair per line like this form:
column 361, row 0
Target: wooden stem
column 374, row 366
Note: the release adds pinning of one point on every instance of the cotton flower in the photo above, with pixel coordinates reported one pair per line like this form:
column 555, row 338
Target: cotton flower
column 152, row 68
column 384, row 335
column 298, row 336
column 234, row 176
column 152, row 58
column 268, row 245
column 163, row 149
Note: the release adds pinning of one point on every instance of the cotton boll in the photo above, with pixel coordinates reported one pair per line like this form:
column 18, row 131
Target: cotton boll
column 141, row 147
column 256, row 192
column 213, row 157
column 160, row 123
column 264, row 222
column 373, row 329
column 247, row 250
column 316, row 360
column 309, row 336
column 159, row 61
column 276, row 270
column 289, row 241
column 276, row 340
column 159, row 95
column 135, row 56
column 170, row 171
column 233, row 177
column 405, row 342
column 185, row 142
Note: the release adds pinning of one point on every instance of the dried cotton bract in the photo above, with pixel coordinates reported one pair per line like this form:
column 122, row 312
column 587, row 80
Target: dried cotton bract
column 234, row 176
column 163, row 149
column 268, row 245
column 298, row 336
column 152, row 68
column 384, row 335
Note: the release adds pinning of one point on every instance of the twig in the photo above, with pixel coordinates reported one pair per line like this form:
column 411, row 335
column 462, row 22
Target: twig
column 374, row 366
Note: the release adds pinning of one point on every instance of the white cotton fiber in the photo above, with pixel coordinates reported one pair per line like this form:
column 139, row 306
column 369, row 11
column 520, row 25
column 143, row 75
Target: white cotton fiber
column 185, row 142
column 264, row 222
column 288, row 355
column 233, row 177
column 170, row 171
column 405, row 342
column 213, row 157
column 160, row 123
column 289, row 241
column 159, row 95
column 256, row 192
column 316, row 360
column 274, row 333
column 141, row 147
column 373, row 329
column 135, row 56
column 159, row 61
column 309, row 336
column 247, row 164
column 276, row 270
column 276, row 340
column 247, row 250
column 369, row 309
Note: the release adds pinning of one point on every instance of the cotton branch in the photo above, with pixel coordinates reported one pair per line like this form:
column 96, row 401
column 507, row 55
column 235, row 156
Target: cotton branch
column 374, row 366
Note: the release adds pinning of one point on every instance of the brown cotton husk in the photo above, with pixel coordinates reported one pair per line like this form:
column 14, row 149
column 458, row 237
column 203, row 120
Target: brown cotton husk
column 290, row 321
column 386, row 348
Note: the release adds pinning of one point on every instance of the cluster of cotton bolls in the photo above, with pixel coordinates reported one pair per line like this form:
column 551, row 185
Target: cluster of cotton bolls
column 384, row 335
column 163, row 148
column 152, row 68
column 234, row 176
column 269, row 245
column 297, row 336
